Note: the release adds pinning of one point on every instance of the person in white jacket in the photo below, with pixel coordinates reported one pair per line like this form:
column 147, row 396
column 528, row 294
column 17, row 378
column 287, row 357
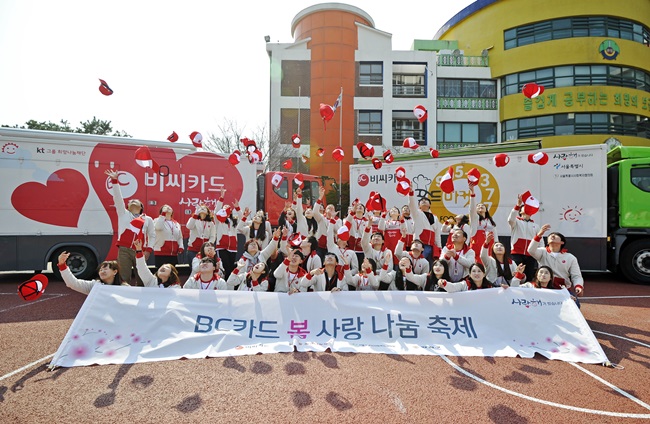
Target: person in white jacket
column 366, row 279
column 109, row 273
column 329, row 278
column 564, row 265
column 166, row 276
column 207, row 277
column 427, row 227
column 499, row 267
column 132, row 223
column 460, row 257
column 289, row 274
column 202, row 230
column 254, row 228
column 476, row 280
column 254, row 280
column 169, row 238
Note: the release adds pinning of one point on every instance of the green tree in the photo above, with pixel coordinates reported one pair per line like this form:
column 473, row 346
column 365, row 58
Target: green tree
column 94, row 126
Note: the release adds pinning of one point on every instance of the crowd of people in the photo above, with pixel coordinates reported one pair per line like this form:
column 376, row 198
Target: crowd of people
column 313, row 249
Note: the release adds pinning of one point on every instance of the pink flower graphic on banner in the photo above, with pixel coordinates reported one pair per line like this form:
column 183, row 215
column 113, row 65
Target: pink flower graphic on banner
column 110, row 353
column 101, row 342
column 582, row 350
column 80, row 351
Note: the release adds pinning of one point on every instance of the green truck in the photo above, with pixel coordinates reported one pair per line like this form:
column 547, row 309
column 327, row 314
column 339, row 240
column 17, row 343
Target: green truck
column 628, row 212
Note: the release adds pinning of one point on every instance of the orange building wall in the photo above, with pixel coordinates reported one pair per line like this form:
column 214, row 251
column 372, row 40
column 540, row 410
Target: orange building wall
column 333, row 43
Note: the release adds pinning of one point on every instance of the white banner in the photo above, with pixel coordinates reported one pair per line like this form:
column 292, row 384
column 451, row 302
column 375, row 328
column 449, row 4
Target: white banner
column 121, row 325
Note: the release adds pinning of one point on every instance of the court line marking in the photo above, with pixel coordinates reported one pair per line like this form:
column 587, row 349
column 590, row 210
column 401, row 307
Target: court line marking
column 613, row 297
column 45, row 358
column 611, row 386
column 543, row 402
column 54, row 296
column 624, row 338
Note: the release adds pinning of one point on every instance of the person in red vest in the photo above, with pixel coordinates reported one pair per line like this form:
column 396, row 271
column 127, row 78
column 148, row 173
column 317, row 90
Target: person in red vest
column 132, row 224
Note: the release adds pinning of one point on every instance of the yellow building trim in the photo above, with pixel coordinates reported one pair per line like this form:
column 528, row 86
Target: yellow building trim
column 568, row 51
column 485, row 28
column 578, row 99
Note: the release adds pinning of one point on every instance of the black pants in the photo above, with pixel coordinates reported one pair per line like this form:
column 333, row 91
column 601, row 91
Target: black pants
column 228, row 260
column 531, row 265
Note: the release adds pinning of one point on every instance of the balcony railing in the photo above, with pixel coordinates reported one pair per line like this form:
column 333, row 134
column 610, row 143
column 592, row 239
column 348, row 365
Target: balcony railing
column 400, row 134
column 408, row 90
column 466, row 103
column 451, row 60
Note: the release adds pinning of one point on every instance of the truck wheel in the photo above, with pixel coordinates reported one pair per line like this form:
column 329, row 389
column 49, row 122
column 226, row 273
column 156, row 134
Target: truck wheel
column 635, row 261
column 82, row 262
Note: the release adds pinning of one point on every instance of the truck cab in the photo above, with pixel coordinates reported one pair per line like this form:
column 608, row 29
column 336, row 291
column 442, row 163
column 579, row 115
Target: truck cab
column 628, row 212
column 272, row 198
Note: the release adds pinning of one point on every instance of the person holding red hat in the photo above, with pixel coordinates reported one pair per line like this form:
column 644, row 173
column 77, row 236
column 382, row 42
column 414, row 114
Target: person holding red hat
column 226, row 240
column 522, row 231
column 109, row 273
column 166, row 276
column 132, row 223
column 339, row 246
column 565, row 266
column 202, row 230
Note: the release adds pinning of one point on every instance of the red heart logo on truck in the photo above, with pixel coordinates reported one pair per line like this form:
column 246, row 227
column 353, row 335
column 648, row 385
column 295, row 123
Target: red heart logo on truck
column 180, row 183
column 57, row 202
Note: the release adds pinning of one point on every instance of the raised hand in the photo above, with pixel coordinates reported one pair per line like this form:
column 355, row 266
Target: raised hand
column 138, row 244
column 63, row 257
column 111, row 173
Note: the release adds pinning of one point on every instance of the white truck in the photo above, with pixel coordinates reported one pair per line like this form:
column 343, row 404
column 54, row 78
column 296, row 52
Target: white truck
column 54, row 195
column 603, row 211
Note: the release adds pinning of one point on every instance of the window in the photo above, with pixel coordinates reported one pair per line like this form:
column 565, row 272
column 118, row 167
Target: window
column 484, row 89
column 641, row 178
column 369, row 122
column 404, row 125
column 576, row 123
column 371, row 73
column 455, row 134
column 580, row 75
column 283, row 189
column 576, row 26
column 409, row 80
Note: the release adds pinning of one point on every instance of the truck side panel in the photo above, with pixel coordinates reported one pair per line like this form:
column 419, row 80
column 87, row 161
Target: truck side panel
column 571, row 189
